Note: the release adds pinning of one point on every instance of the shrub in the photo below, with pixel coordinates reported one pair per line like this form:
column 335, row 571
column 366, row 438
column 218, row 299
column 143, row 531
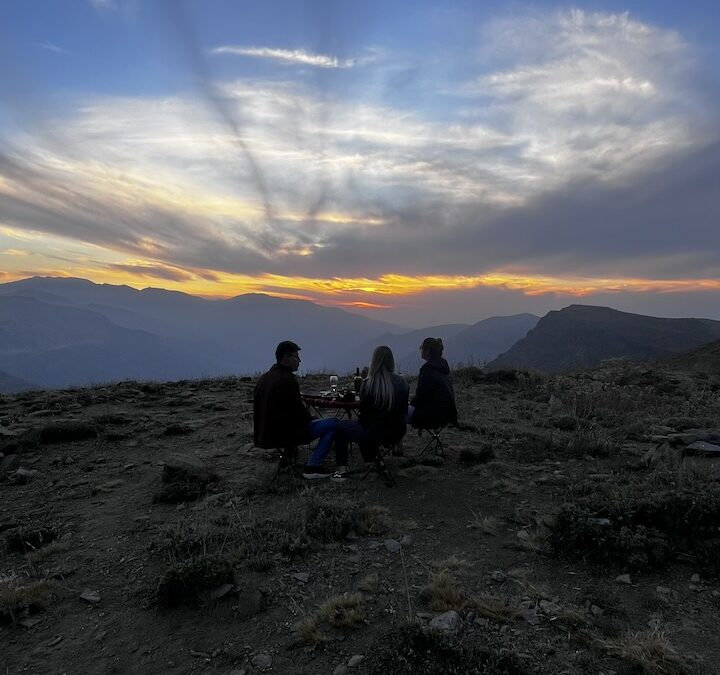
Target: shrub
column 17, row 597
column 413, row 649
column 183, row 582
column 641, row 525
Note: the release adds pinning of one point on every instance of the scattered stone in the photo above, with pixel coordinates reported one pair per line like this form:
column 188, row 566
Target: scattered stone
column 624, row 579
column 249, row 603
column 9, row 463
column 549, row 607
column 482, row 622
column 695, row 579
column 187, row 468
column 342, row 669
column 22, row 476
column 392, row 545
column 28, row 622
column 449, row 622
column 596, row 611
column 302, row 577
column 93, row 597
column 703, row 448
column 355, row 660
column 221, row 591
column 262, row 661
column 498, row 576
column 407, row 540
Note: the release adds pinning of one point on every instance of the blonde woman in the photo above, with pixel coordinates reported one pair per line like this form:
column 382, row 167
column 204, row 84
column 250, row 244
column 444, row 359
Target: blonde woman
column 381, row 419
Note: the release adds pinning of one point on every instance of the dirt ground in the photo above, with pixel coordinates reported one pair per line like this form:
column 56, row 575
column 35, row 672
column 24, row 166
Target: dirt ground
column 475, row 525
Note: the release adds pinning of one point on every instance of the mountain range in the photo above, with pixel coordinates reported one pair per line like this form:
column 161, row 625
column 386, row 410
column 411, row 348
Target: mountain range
column 59, row 332
column 581, row 336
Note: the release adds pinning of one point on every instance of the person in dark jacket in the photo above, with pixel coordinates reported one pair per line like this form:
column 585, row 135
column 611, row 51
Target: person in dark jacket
column 434, row 402
column 381, row 414
column 280, row 417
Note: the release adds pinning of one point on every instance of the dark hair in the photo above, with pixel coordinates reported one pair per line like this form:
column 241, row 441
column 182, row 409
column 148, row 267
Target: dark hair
column 433, row 347
column 284, row 348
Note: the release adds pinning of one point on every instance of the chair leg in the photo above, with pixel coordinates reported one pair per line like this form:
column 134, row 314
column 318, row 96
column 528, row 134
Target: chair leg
column 381, row 466
column 288, row 460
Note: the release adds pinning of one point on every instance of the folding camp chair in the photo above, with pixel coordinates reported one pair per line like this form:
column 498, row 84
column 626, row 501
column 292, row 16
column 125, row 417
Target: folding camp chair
column 287, row 464
column 435, row 442
column 380, row 466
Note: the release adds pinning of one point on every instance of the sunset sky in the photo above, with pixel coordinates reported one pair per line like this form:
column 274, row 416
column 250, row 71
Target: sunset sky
column 419, row 162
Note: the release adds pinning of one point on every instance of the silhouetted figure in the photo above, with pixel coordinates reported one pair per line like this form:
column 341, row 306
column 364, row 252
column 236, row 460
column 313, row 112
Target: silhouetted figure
column 280, row 417
column 434, row 402
column 381, row 417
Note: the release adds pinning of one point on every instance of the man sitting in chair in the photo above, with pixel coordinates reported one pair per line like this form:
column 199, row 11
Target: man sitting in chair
column 280, row 417
column 433, row 405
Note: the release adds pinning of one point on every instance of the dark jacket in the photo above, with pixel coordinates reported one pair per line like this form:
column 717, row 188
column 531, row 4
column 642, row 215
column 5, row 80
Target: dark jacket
column 434, row 399
column 385, row 425
column 280, row 416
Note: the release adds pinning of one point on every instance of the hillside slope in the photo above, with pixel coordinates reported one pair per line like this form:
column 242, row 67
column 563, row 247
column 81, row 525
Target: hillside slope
column 581, row 336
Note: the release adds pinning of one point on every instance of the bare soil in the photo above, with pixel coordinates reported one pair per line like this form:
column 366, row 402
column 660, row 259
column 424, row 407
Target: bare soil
column 87, row 521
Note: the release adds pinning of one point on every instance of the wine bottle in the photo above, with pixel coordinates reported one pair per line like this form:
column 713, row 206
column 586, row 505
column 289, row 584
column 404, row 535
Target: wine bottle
column 357, row 380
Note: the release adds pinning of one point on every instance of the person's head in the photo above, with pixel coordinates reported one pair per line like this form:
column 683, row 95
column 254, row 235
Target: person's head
column 440, row 342
column 286, row 354
column 382, row 360
column 431, row 348
column 379, row 384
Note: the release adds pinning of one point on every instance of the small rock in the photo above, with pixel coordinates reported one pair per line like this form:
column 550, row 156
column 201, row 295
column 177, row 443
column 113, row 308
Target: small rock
column 624, row 579
column 695, row 579
column 596, row 611
column 221, row 591
column 9, row 463
column 22, row 476
column 498, row 576
column 302, row 577
column 93, row 597
column 355, row 660
column 407, row 540
column 342, row 669
column 392, row 545
column 549, row 607
column 482, row 622
column 449, row 622
column 262, row 661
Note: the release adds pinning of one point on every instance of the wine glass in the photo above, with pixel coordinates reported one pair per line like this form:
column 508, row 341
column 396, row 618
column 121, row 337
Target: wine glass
column 333, row 383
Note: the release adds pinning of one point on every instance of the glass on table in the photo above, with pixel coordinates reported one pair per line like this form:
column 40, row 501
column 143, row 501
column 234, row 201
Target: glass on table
column 333, row 383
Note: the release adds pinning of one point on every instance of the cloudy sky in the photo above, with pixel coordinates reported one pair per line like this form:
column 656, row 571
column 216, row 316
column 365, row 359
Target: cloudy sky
column 417, row 161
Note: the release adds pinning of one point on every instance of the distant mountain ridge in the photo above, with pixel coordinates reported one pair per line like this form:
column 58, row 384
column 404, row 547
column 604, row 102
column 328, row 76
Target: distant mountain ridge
column 581, row 336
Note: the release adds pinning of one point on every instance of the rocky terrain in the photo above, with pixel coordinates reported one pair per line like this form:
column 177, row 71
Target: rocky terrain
column 572, row 528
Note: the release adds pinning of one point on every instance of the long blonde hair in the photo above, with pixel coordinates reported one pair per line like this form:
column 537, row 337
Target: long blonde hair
column 379, row 385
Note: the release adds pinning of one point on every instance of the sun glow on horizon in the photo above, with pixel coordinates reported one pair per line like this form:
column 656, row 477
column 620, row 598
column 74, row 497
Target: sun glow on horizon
column 379, row 292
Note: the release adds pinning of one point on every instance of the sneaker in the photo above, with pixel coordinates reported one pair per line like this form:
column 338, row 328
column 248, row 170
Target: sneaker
column 341, row 474
column 311, row 472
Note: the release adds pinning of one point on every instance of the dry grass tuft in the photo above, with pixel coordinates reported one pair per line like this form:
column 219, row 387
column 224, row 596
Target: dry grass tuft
column 444, row 594
column 340, row 611
column 16, row 596
column 40, row 554
column 497, row 609
column 486, row 524
column 372, row 520
column 651, row 651
column 451, row 564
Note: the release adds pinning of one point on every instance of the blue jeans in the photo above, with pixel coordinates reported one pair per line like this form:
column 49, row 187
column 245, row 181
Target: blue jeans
column 324, row 429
